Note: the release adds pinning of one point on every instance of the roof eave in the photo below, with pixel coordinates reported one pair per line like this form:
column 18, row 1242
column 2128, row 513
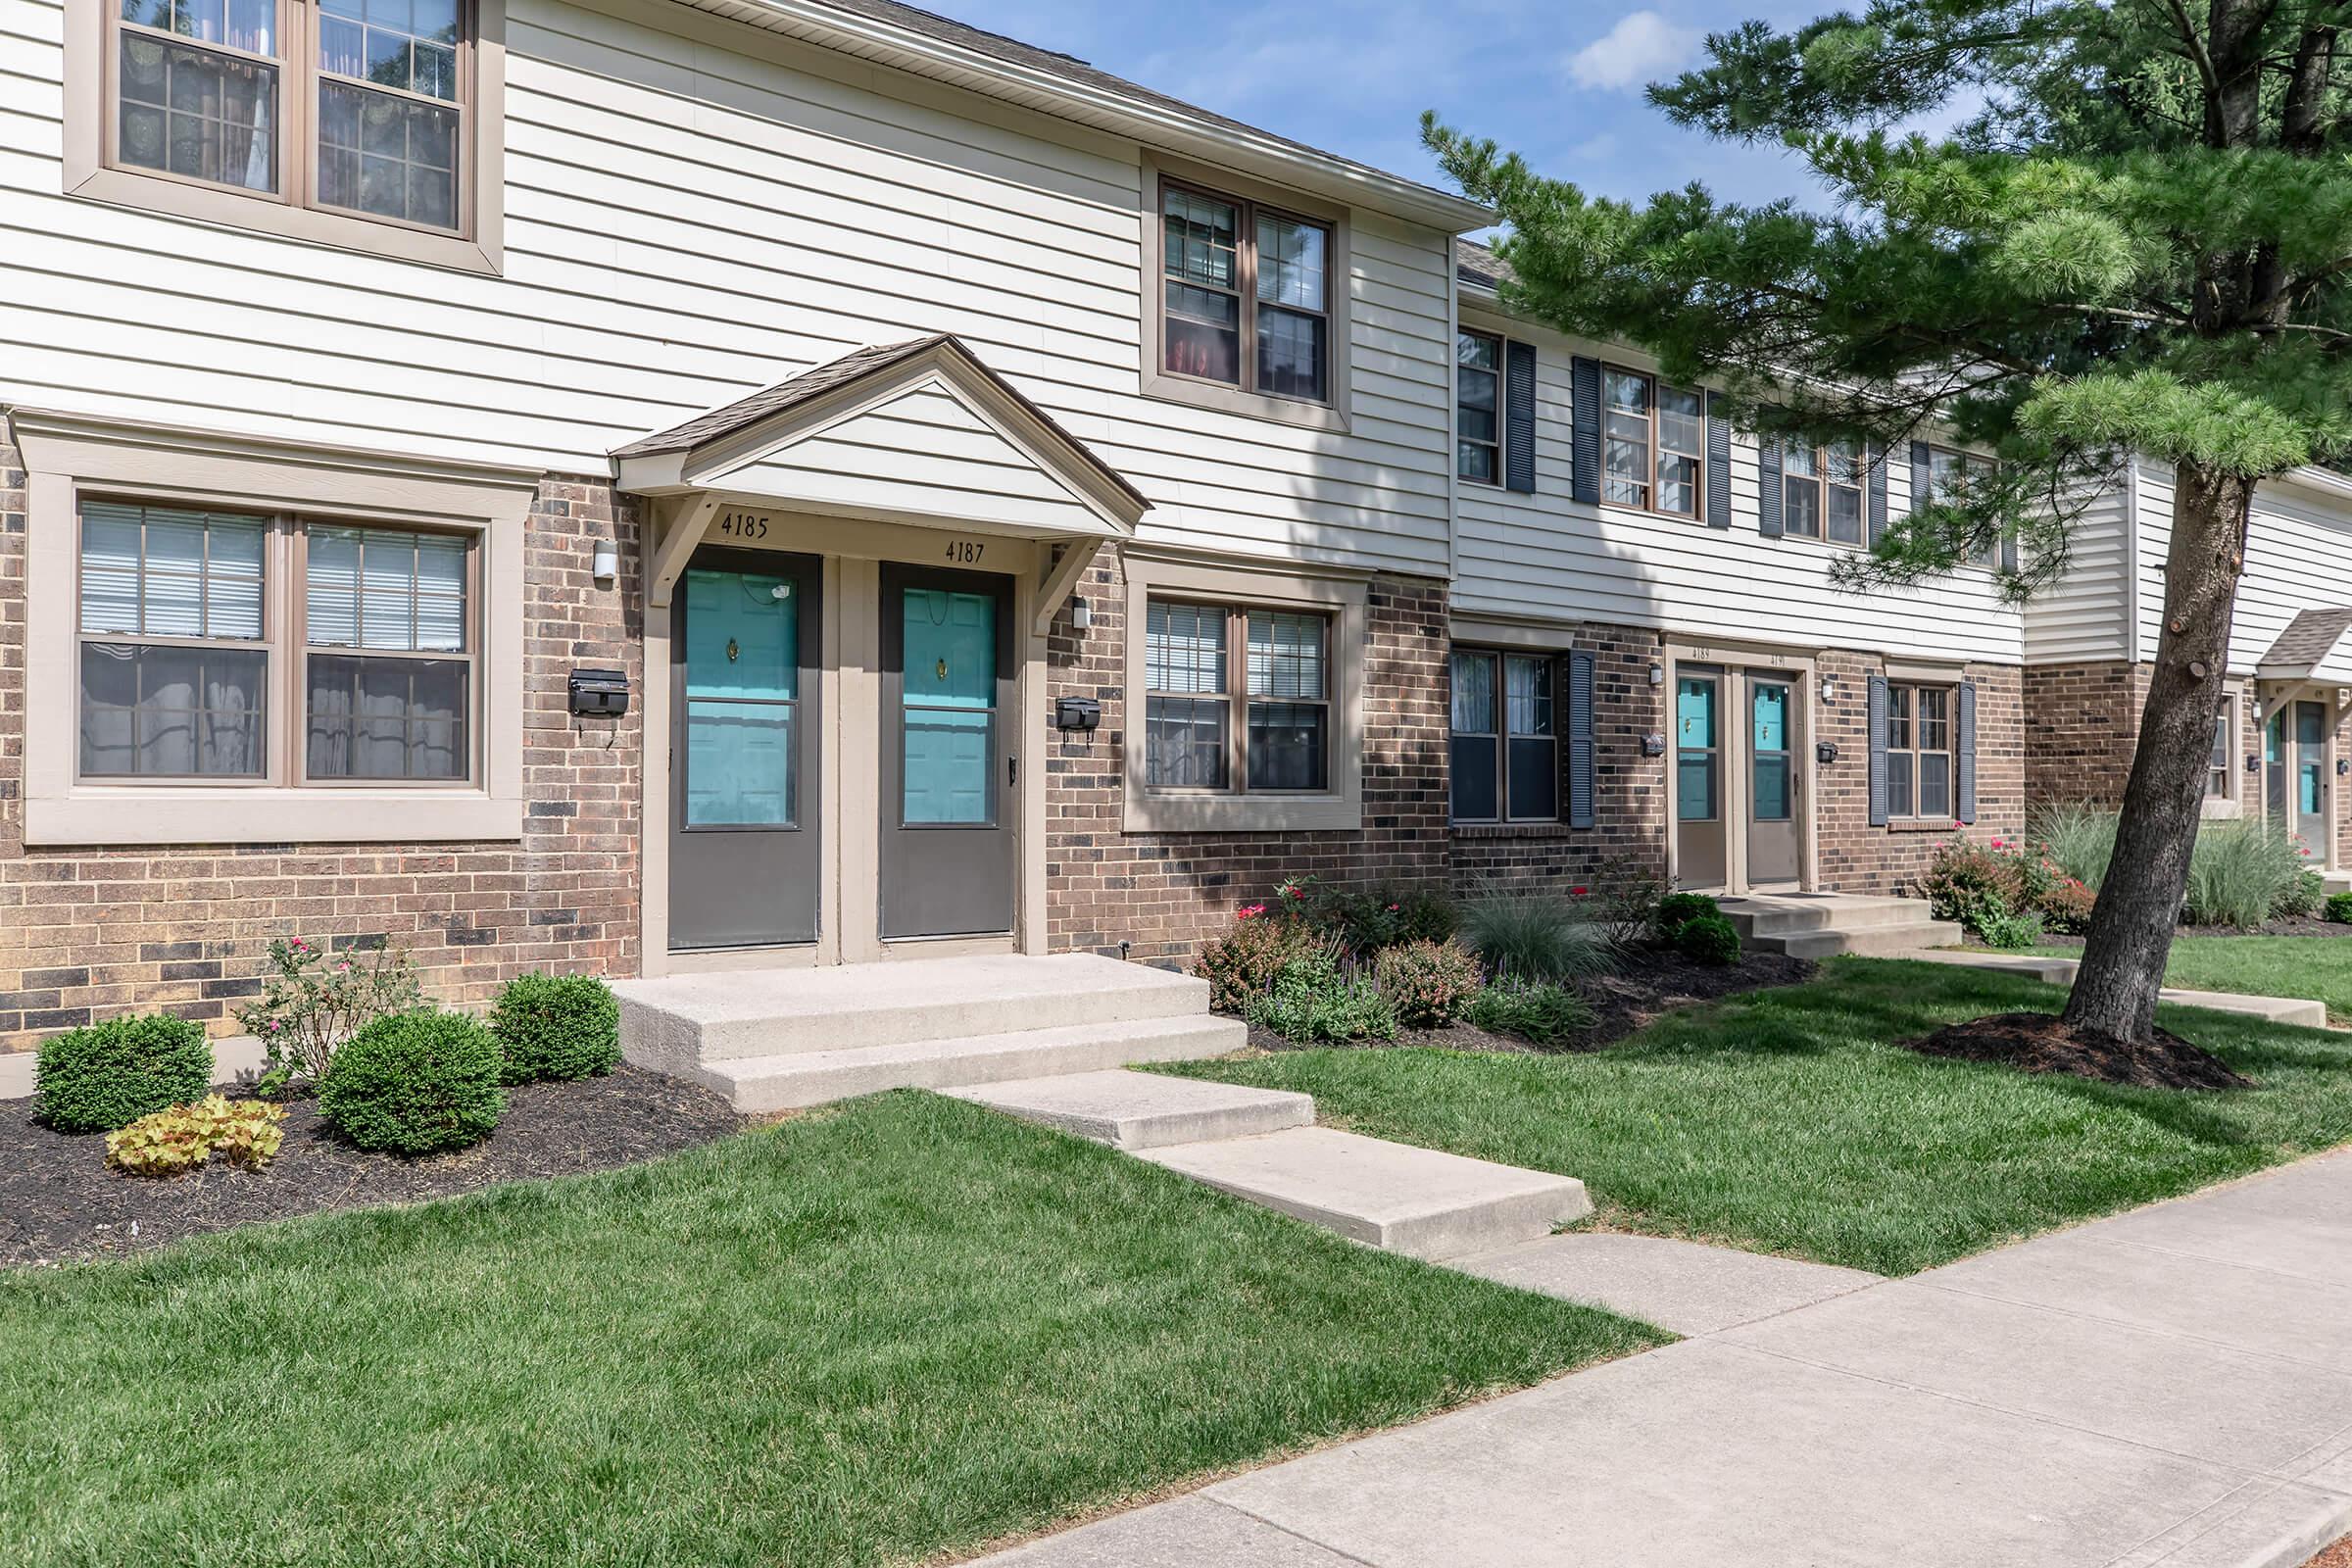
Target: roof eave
column 1156, row 127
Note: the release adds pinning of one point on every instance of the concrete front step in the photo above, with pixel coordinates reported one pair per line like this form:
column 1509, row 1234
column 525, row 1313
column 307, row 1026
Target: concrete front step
column 1145, row 1109
column 1870, row 942
column 795, row 1079
column 683, row 1021
column 2060, row 972
column 1786, row 914
column 1396, row 1196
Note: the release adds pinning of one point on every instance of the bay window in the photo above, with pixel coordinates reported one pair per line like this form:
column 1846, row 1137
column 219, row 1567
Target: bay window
column 1203, row 735
column 198, row 628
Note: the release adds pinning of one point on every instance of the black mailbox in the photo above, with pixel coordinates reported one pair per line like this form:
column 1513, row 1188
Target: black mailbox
column 600, row 692
column 1825, row 752
column 1077, row 712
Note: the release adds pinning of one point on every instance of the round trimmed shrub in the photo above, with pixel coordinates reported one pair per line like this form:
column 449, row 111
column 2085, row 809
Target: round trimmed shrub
column 415, row 1083
column 1428, row 983
column 1710, row 939
column 1678, row 909
column 108, row 1075
column 556, row 1026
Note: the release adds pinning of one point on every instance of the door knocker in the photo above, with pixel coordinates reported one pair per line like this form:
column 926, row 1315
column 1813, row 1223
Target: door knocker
column 943, row 670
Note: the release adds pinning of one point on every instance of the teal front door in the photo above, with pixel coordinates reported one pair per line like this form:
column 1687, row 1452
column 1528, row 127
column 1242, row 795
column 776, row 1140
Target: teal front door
column 948, row 762
column 743, row 838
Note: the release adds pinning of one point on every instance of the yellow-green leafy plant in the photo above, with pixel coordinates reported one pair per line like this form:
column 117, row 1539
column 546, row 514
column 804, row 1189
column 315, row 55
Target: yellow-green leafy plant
column 176, row 1140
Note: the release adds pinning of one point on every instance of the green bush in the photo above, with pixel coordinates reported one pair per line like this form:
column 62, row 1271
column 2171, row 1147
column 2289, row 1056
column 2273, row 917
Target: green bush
column 2339, row 908
column 2241, row 872
column 2066, row 908
column 415, row 1083
column 1974, row 884
column 1426, row 982
column 558, row 1027
column 2012, row 931
column 1365, row 924
column 1535, row 937
column 1540, row 1014
column 1678, row 909
column 2079, row 836
column 1240, row 966
column 1710, row 939
column 1312, row 1003
column 2303, row 899
column 108, row 1075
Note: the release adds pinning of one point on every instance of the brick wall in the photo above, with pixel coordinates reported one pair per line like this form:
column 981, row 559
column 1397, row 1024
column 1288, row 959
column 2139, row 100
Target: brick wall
column 2084, row 721
column 1628, row 835
column 88, row 932
column 1858, row 857
column 1166, row 893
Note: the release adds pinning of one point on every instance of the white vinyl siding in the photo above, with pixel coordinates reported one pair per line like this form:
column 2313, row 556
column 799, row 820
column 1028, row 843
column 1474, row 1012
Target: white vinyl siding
column 2084, row 616
column 2298, row 558
column 685, row 224
column 1545, row 556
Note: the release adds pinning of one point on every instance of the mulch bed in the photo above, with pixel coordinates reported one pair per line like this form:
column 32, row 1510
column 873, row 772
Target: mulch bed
column 1644, row 986
column 2042, row 1041
column 59, row 1202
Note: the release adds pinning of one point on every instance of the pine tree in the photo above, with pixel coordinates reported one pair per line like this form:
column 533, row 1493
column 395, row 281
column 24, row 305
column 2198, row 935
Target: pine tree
column 2138, row 243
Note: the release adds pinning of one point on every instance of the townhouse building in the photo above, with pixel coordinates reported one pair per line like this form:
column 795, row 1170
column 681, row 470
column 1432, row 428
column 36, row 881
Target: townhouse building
column 672, row 486
column 2282, row 742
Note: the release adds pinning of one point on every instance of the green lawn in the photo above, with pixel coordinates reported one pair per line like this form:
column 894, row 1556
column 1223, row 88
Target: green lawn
column 2316, row 968
column 872, row 1336
column 1788, row 1121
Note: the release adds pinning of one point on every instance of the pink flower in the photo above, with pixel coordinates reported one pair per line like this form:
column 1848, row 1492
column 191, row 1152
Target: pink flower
column 344, row 965
column 1996, row 844
column 299, row 945
column 1250, row 911
column 1392, row 909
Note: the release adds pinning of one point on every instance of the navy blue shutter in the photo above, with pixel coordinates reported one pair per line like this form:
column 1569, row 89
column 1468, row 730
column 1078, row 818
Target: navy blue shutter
column 1878, row 750
column 1584, row 389
column 1519, row 417
column 1767, row 487
column 1579, row 738
column 1967, row 762
column 1877, row 453
column 1719, row 463
column 2009, row 552
column 1920, row 481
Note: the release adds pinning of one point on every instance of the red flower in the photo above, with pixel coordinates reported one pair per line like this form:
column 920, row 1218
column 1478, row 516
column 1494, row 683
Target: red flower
column 1578, row 892
column 1250, row 911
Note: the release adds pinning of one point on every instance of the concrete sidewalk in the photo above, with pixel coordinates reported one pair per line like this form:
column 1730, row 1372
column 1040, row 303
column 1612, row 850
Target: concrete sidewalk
column 2170, row 1386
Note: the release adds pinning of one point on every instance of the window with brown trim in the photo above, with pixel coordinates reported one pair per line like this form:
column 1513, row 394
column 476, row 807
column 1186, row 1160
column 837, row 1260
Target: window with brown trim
column 1201, row 735
column 361, row 107
column 1821, row 493
column 1950, row 473
column 1478, row 406
column 198, row 626
column 1245, row 295
column 1919, row 751
column 1653, row 444
column 1504, row 761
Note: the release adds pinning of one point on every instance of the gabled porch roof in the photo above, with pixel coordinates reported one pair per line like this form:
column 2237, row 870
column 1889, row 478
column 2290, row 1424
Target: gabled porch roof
column 2315, row 647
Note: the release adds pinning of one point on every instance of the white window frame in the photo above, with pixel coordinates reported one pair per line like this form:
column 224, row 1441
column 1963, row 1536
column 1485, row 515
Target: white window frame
column 1502, row 433
column 1239, row 590
column 66, row 458
column 2231, row 802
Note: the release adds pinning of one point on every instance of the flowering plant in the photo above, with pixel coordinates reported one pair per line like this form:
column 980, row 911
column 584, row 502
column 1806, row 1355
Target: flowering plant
column 311, row 1002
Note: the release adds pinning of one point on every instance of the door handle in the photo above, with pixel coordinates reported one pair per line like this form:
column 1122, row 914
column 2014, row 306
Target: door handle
column 1012, row 771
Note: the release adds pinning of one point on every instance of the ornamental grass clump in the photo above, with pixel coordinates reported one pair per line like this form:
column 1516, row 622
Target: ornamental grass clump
column 556, row 1027
column 2242, row 873
column 415, row 1083
column 108, row 1075
column 1535, row 936
column 1540, row 1013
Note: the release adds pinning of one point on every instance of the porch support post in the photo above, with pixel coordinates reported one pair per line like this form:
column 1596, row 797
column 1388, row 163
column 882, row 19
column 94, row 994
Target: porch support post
column 684, row 522
column 1065, row 564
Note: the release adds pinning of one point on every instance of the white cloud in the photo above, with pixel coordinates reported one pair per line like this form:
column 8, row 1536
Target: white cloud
column 1642, row 47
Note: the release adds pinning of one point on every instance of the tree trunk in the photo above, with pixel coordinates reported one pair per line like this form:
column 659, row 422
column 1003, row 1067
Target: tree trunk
column 2139, row 903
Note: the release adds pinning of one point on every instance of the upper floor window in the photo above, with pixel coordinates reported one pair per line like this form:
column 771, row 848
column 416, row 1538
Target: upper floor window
column 1653, row 444
column 1821, row 492
column 1949, row 475
column 1478, row 406
column 1245, row 295
column 190, row 648
column 349, row 121
column 1200, row 733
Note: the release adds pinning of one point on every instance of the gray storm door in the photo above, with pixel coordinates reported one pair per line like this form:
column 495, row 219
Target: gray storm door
column 1772, row 836
column 744, row 813
column 1701, row 847
column 2312, row 819
column 948, row 762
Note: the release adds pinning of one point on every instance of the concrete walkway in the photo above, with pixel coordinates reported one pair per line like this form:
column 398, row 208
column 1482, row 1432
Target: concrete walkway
column 2172, row 1386
column 2060, row 972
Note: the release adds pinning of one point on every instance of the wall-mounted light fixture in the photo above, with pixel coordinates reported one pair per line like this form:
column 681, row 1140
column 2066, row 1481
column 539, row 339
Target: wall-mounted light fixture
column 1657, row 674
column 603, row 561
column 1829, row 688
column 1082, row 614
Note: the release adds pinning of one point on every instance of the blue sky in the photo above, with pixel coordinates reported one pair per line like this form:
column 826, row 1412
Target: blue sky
column 1559, row 81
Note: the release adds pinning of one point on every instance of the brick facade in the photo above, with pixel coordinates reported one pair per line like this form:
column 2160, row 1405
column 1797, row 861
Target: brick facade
column 1166, row 893
column 2084, row 721
column 90, row 932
